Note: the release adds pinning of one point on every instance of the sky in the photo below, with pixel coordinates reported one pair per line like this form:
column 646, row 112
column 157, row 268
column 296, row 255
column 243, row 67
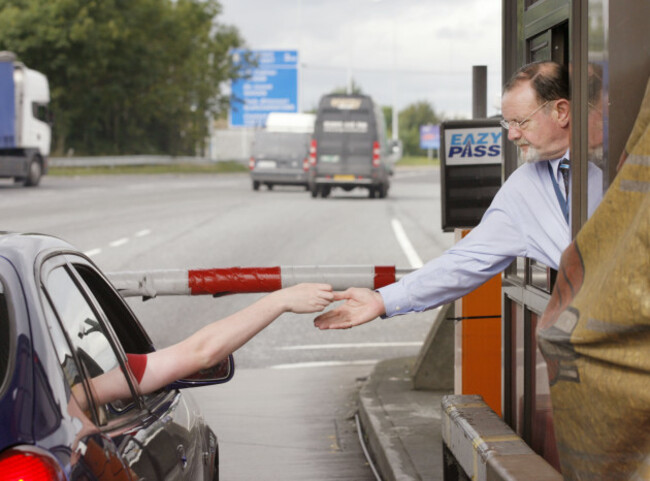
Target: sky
column 398, row 51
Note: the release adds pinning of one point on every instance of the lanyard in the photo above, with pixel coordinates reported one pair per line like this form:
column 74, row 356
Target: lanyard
column 558, row 193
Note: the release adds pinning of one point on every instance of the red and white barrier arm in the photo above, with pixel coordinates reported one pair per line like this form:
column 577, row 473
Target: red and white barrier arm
column 249, row 279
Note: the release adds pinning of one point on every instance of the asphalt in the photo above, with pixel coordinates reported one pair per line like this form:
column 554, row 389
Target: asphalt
column 303, row 423
column 402, row 425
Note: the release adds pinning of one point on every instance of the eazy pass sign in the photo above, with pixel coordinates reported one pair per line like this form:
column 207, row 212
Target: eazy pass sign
column 475, row 145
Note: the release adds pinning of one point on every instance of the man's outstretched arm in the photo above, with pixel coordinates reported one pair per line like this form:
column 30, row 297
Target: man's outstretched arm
column 361, row 305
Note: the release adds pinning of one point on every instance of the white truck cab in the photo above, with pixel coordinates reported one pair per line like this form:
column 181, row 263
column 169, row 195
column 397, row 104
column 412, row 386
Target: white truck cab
column 25, row 131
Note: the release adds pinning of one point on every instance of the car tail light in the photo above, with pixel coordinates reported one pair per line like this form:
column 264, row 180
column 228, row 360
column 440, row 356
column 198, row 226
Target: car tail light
column 251, row 163
column 305, row 164
column 375, row 154
column 312, row 152
column 28, row 463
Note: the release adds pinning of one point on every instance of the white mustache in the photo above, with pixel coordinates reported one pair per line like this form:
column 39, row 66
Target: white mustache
column 521, row 142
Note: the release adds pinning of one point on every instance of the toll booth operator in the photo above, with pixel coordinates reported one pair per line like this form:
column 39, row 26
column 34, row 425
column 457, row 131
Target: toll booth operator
column 529, row 216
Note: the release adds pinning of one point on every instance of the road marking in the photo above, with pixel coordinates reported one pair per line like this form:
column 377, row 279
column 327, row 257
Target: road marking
column 405, row 244
column 325, row 364
column 119, row 242
column 349, row 345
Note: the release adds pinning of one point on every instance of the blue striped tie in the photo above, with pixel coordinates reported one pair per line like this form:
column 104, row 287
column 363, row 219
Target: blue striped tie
column 565, row 168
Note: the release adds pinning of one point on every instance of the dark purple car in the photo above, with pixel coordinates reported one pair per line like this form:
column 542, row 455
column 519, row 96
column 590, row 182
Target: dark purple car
column 61, row 324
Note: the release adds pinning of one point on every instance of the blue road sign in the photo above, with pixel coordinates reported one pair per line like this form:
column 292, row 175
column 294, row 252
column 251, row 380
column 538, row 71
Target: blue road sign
column 429, row 136
column 272, row 86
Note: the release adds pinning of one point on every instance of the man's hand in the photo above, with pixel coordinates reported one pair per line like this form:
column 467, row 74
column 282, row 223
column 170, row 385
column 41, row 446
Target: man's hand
column 361, row 306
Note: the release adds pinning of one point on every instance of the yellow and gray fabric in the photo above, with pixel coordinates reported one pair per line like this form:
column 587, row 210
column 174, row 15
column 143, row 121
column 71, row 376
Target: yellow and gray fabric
column 595, row 333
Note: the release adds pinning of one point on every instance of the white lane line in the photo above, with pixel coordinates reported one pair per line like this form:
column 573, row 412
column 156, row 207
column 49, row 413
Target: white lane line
column 405, row 244
column 349, row 345
column 119, row 242
column 325, row 364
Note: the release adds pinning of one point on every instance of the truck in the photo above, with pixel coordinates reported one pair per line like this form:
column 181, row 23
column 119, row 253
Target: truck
column 25, row 127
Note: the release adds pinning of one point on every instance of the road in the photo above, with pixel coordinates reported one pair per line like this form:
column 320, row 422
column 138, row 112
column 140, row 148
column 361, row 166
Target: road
column 202, row 221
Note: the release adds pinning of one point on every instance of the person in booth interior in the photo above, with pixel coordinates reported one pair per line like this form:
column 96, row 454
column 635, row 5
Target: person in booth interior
column 528, row 217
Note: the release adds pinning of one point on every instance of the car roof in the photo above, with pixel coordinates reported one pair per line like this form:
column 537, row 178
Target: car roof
column 22, row 248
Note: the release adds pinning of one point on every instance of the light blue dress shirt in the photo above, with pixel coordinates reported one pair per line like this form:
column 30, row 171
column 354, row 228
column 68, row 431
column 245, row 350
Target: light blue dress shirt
column 524, row 220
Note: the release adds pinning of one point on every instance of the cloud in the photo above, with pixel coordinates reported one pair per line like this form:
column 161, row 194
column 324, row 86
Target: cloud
column 397, row 50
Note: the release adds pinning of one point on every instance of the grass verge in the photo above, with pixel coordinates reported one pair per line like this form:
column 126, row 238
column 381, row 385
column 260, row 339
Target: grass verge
column 191, row 168
column 417, row 161
column 212, row 168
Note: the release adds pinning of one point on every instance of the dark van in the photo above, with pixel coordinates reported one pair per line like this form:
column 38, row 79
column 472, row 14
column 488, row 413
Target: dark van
column 349, row 147
column 279, row 158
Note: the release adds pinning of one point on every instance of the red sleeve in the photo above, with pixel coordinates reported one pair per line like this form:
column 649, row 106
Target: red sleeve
column 138, row 363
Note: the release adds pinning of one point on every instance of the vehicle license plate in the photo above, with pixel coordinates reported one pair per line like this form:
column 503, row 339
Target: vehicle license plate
column 344, row 177
column 266, row 164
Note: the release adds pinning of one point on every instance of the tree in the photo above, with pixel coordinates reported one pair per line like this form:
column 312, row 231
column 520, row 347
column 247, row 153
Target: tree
column 126, row 76
column 410, row 120
column 354, row 87
column 388, row 118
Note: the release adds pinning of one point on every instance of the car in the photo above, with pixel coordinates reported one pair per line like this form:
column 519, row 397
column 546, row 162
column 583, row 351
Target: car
column 62, row 323
column 279, row 158
column 349, row 148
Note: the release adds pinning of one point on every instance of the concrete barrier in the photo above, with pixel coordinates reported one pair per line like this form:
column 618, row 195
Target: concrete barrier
column 479, row 445
column 434, row 367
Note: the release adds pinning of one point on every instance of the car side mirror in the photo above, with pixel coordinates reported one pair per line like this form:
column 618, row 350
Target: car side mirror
column 396, row 147
column 395, row 152
column 221, row 372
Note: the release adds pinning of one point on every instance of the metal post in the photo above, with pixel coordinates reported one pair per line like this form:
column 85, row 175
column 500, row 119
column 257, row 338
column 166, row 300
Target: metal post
column 395, row 117
column 479, row 91
column 579, row 99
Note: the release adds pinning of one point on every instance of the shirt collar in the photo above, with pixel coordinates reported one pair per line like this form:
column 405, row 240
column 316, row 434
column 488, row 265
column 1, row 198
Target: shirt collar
column 555, row 163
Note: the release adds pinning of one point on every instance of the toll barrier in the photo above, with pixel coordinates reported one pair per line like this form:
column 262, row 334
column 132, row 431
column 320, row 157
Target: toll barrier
column 238, row 280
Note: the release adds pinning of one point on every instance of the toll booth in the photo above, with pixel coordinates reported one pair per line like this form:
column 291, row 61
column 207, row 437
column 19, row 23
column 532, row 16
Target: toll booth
column 471, row 165
column 471, row 156
column 599, row 42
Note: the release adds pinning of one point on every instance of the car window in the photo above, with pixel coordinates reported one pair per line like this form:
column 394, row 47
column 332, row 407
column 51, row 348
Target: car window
column 127, row 329
column 66, row 360
column 90, row 344
column 283, row 144
column 115, row 311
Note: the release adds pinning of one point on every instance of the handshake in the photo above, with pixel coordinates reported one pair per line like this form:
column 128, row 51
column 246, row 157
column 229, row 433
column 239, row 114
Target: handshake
column 361, row 304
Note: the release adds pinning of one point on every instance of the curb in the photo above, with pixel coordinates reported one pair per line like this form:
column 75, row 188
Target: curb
column 401, row 425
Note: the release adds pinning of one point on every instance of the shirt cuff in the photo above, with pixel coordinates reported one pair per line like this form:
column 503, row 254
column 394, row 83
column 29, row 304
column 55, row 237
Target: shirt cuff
column 395, row 300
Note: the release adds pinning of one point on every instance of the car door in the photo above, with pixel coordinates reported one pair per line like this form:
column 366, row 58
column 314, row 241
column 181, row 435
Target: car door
column 155, row 436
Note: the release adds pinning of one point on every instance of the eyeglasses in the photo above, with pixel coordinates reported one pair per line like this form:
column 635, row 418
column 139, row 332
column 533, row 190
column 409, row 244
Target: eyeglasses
column 521, row 125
